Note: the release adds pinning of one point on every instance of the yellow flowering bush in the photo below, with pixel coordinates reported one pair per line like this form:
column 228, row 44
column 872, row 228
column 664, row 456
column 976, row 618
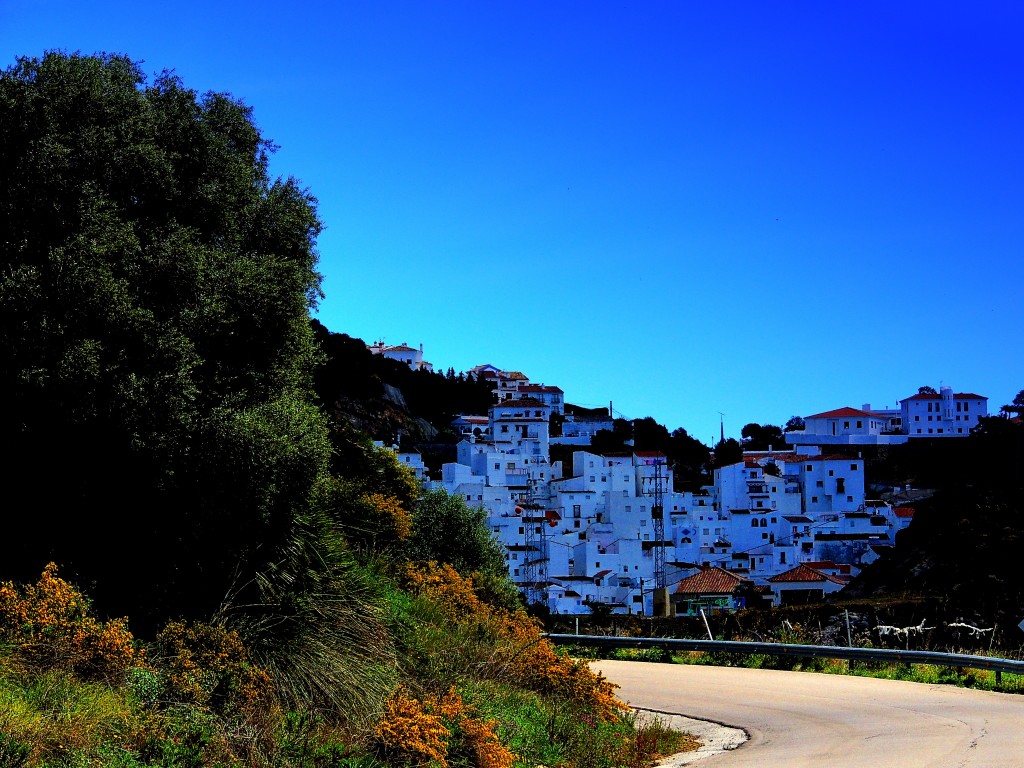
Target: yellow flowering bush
column 49, row 625
column 387, row 516
column 410, row 735
column 419, row 733
column 208, row 666
column 522, row 654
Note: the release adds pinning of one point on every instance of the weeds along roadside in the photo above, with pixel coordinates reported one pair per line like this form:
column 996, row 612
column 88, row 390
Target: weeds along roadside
column 475, row 685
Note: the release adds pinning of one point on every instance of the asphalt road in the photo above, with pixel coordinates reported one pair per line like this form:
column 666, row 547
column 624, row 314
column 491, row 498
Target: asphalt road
column 800, row 719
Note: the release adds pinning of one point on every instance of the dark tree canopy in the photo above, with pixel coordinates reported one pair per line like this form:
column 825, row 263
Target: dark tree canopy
column 727, row 452
column 795, row 424
column 763, row 437
column 156, row 348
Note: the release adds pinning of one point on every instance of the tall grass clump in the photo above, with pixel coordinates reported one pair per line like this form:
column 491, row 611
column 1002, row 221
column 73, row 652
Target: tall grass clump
column 318, row 627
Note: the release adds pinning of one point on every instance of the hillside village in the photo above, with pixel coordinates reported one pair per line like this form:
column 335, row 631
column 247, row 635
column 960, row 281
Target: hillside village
column 609, row 532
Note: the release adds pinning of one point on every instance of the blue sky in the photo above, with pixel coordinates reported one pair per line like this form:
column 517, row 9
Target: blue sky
column 686, row 209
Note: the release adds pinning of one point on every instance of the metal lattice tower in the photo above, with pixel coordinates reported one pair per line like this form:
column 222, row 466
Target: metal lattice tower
column 658, row 516
column 534, row 545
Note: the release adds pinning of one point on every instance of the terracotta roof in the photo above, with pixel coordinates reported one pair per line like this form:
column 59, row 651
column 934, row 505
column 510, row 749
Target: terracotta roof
column 711, row 581
column 399, row 348
column 839, row 413
column 803, row 572
column 649, row 454
column 903, row 511
column 797, row 518
column 828, row 565
column 602, row 574
column 538, row 388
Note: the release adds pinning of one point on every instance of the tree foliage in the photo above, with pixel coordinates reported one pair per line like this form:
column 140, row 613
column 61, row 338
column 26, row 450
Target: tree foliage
column 156, row 353
column 762, row 437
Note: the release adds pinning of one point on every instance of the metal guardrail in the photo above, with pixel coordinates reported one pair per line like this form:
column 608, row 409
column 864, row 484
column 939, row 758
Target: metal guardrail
column 961, row 660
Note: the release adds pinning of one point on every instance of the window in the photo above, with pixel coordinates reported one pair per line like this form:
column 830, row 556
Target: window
column 808, row 467
column 575, row 510
column 849, row 498
column 831, row 473
column 575, row 523
column 629, row 508
column 860, row 424
column 764, row 535
column 819, row 484
column 760, row 504
column 814, row 499
column 846, row 425
column 504, row 427
column 853, row 467
column 497, row 465
column 643, row 523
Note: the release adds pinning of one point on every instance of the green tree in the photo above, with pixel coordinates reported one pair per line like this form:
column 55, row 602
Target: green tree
column 761, row 437
column 1016, row 407
column 795, row 424
column 156, row 349
column 727, row 452
column 448, row 530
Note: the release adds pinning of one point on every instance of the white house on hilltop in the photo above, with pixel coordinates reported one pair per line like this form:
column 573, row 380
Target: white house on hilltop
column 402, row 353
column 923, row 415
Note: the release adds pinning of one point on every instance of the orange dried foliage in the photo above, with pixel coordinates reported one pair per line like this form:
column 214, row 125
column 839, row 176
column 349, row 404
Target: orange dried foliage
column 524, row 655
column 49, row 625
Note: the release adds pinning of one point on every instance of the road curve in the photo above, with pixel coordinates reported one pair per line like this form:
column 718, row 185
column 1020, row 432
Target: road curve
column 805, row 720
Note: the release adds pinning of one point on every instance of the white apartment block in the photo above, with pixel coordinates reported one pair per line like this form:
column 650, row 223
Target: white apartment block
column 943, row 415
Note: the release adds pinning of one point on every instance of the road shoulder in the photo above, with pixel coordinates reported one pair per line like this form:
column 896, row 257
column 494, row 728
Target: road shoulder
column 714, row 738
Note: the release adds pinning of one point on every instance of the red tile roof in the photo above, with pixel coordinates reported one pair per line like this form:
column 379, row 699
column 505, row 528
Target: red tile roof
column 802, row 573
column 903, row 511
column 601, row 574
column 711, row 581
column 538, row 388
column 840, row 413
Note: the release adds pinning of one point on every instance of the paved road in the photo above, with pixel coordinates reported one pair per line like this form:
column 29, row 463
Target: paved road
column 800, row 720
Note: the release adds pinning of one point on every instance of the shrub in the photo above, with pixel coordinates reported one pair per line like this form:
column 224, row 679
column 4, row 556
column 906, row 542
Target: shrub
column 49, row 625
column 515, row 649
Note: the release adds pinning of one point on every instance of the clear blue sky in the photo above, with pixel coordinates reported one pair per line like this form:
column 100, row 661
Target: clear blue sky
column 759, row 209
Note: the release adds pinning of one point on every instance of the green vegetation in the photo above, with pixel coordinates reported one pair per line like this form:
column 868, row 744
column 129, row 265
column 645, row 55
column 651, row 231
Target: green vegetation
column 264, row 586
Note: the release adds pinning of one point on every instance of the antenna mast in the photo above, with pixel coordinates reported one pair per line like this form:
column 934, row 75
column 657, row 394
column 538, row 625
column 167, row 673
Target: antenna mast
column 658, row 516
